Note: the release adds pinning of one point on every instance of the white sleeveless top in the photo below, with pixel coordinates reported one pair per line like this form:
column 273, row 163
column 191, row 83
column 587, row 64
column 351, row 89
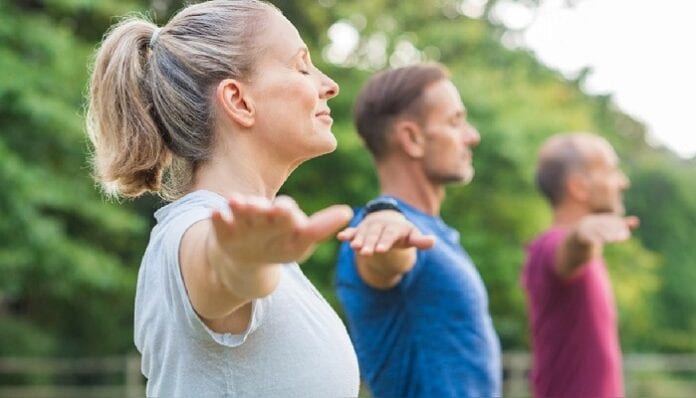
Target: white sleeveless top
column 294, row 346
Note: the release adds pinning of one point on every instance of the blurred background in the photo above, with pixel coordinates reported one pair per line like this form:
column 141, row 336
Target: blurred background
column 69, row 258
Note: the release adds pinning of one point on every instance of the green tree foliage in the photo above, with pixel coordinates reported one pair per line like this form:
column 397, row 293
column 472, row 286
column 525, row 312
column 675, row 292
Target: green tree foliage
column 663, row 196
column 516, row 103
column 69, row 258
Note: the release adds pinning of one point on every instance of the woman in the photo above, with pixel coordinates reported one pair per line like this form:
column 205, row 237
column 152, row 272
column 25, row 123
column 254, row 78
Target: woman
column 213, row 111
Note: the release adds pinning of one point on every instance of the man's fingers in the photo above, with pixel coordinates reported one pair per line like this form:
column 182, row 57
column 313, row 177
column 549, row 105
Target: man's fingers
column 371, row 238
column 326, row 222
column 400, row 238
column 420, row 241
column 388, row 238
column 365, row 235
column 622, row 227
column 607, row 228
column 632, row 222
column 405, row 239
column 347, row 234
column 616, row 235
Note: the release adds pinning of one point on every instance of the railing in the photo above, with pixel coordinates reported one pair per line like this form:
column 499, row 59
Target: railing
column 110, row 377
column 646, row 375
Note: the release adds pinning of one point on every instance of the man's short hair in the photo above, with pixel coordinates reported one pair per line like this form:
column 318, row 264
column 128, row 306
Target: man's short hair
column 388, row 95
column 551, row 177
column 560, row 156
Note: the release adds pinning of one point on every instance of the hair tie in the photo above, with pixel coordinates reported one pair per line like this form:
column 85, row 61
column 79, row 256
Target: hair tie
column 155, row 36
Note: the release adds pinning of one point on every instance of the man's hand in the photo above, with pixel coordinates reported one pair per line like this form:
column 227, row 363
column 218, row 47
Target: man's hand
column 586, row 239
column 597, row 229
column 385, row 244
column 382, row 231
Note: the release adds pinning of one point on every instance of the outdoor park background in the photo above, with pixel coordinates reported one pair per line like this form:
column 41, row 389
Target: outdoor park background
column 69, row 258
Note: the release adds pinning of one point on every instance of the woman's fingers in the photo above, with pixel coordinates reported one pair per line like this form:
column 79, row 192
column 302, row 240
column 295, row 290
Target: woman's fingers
column 247, row 209
column 220, row 225
column 324, row 223
column 252, row 212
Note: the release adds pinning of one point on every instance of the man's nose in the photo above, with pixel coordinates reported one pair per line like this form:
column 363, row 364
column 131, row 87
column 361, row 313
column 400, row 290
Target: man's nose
column 471, row 135
column 625, row 181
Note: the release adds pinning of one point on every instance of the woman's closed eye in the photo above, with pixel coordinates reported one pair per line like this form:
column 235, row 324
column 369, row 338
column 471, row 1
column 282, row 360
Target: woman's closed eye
column 304, row 67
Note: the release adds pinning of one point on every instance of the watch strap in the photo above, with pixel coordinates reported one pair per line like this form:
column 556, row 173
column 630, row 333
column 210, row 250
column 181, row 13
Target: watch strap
column 380, row 204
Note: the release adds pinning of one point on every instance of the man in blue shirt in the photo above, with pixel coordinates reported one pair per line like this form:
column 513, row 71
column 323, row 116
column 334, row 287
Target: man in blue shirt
column 417, row 308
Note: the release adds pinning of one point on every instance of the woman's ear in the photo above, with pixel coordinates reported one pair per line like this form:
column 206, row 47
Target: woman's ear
column 409, row 137
column 234, row 102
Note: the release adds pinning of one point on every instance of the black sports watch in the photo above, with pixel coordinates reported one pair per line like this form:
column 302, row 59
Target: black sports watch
column 382, row 204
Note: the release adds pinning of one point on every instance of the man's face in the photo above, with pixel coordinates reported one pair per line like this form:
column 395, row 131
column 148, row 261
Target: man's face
column 448, row 136
column 606, row 181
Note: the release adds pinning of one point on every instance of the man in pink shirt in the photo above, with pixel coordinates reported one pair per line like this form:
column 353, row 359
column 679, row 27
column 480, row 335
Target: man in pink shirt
column 575, row 342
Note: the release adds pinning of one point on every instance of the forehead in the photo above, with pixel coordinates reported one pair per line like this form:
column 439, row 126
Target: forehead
column 280, row 39
column 600, row 153
column 443, row 97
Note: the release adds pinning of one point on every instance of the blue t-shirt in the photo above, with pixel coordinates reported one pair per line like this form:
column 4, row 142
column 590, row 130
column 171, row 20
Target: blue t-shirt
column 431, row 335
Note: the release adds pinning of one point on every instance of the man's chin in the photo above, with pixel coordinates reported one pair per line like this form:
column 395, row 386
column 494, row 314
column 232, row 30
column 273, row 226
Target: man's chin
column 458, row 179
column 466, row 177
column 617, row 211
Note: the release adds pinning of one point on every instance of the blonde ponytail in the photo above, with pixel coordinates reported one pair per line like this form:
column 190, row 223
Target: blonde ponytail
column 149, row 115
column 129, row 150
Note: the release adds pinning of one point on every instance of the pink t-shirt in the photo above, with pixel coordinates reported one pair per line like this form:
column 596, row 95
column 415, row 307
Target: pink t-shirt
column 575, row 342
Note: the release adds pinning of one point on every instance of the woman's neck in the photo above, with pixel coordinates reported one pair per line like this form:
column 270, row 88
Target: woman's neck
column 242, row 170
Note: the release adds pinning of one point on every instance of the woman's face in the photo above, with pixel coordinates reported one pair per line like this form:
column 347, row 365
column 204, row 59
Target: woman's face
column 290, row 95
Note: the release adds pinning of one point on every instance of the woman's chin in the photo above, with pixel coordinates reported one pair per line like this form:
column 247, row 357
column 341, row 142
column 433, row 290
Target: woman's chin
column 326, row 144
column 320, row 143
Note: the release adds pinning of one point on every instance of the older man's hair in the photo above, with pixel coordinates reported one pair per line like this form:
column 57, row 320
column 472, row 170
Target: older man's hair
column 389, row 95
column 559, row 157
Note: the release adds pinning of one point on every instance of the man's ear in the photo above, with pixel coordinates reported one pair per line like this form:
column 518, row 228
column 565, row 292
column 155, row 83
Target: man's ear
column 235, row 103
column 577, row 187
column 409, row 137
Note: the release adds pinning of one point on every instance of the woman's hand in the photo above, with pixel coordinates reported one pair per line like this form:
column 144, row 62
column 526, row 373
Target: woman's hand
column 227, row 261
column 261, row 232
